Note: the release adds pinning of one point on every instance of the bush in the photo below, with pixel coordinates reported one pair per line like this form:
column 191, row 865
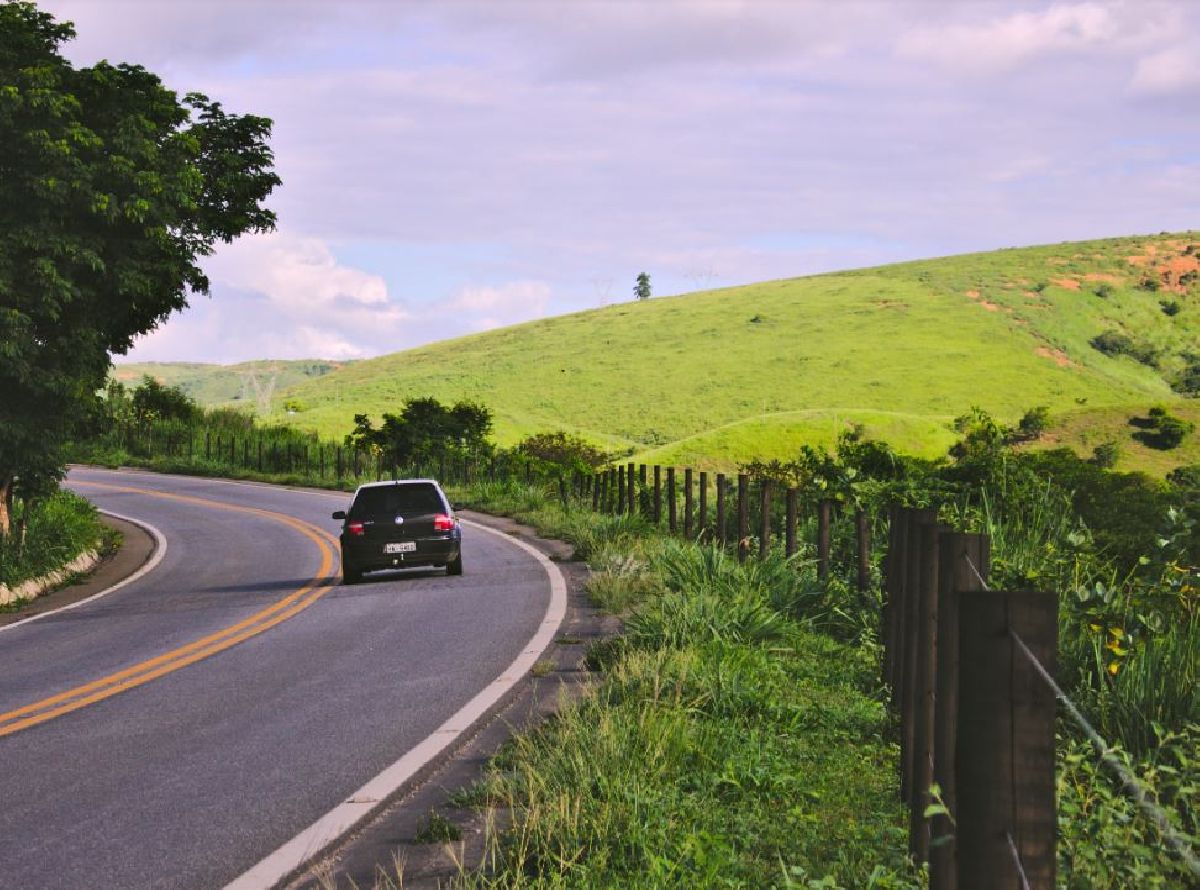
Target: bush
column 1188, row 380
column 1105, row 455
column 1163, row 431
column 1114, row 343
column 1033, row 423
column 1104, row 291
column 564, row 450
column 1170, row 308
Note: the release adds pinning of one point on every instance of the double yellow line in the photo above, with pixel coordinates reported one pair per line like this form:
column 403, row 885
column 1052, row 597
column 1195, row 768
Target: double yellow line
column 131, row 677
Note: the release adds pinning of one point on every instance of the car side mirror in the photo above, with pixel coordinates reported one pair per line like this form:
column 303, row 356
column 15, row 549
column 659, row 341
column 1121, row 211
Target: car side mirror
column 339, row 514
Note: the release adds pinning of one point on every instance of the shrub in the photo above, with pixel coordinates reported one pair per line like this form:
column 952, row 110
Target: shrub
column 1033, row 423
column 1188, row 380
column 1114, row 343
column 1104, row 291
column 1170, row 308
column 1105, row 455
column 564, row 450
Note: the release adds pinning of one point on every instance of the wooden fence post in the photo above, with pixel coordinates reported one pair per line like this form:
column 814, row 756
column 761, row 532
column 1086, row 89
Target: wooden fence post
column 687, row 502
column 789, row 546
column 644, row 489
column 862, row 526
column 657, row 494
column 594, row 485
column 824, row 515
column 702, row 511
column 743, row 517
column 722, row 537
column 921, row 756
column 764, row 519
column 630, row 489
column 910, row 646
column 620, row 473
column 957, row 553
column 1005, row 747
column 672, row 517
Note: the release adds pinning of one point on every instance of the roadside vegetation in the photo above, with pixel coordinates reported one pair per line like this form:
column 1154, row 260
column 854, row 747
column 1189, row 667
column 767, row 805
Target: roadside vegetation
column 49, row 533
column 739, row 735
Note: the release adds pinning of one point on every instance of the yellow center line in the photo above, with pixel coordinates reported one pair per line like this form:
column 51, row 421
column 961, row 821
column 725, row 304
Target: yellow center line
column 128, row 678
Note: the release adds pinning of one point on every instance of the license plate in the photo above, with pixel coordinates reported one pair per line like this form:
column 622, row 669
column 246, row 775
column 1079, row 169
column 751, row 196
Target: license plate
column 402, row 547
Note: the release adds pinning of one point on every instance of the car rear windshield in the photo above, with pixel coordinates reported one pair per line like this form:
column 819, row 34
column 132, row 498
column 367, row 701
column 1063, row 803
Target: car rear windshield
column 393, row 500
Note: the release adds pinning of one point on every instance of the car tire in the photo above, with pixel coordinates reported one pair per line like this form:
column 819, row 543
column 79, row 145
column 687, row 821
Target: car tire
column 350, row 574
column 455, row 567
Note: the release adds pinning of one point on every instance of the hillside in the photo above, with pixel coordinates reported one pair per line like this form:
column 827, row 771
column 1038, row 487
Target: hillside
column 719, row 376
column 252, row 385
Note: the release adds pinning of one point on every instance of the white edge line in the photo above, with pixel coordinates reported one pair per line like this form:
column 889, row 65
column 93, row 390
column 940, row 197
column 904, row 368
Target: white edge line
column 160, row 550
column 359, row 805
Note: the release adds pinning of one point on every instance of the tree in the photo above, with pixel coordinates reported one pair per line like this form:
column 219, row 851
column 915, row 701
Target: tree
column 111, row 190
column 424, row 430
column 153, row 401
column 641, row 290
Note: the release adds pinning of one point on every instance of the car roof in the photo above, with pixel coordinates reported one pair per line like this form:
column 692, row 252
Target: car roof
column 390, row 482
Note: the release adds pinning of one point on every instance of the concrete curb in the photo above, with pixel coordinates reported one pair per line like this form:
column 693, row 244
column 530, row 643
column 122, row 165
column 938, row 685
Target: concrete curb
column 34, row 587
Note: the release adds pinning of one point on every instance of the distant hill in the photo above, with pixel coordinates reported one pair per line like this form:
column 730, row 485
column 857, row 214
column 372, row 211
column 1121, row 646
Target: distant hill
column 250, row 385
column 722, row 376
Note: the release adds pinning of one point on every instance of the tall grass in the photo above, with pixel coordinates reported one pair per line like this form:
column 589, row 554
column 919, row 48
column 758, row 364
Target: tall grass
column 57, row 529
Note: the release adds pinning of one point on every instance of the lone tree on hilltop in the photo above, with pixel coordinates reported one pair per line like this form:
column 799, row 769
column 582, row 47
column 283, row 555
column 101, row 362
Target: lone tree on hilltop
column 641, row 290
column 112, row 188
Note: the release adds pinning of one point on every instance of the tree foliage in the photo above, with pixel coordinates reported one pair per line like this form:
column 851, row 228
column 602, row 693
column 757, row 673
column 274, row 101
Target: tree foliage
column 112, row 188
column 564, row 450
column 641, row 289
column 423, row 431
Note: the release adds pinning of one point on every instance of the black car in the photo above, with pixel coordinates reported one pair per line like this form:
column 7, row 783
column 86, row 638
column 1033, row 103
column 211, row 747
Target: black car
column 393, row 525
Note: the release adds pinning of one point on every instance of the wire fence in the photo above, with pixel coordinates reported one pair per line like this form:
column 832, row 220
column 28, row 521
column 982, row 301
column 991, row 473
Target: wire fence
column 972, row 672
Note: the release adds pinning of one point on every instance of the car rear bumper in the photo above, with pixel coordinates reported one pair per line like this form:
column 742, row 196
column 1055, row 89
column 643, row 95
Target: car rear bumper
column 366, row 556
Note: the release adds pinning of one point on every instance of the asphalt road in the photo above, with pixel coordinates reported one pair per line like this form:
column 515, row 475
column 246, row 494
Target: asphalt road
column 175, row 732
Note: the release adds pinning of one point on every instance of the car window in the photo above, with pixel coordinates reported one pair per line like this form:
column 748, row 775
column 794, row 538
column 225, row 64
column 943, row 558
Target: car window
column 391, row 500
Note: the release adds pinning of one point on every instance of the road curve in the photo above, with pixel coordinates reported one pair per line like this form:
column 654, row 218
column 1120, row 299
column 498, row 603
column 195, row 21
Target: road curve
column 177, row 731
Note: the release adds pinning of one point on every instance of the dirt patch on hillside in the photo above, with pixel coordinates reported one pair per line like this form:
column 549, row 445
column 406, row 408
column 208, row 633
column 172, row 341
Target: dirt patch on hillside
column 990, row 307
column 972, row 294
column 1068, row 283
column 1056, row 355
column 1100, row 276
column 1174, row 273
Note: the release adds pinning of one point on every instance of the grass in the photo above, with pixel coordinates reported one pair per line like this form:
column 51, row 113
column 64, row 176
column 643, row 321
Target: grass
column 246, row 385
column 696, row 379
column 728, row 745
column 58, row 529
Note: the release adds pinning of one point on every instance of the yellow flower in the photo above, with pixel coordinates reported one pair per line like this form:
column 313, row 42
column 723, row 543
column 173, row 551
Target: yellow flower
column 1113, row 667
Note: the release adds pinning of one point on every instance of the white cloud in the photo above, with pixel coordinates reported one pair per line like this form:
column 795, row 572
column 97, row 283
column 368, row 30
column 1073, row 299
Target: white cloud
column 280, row 296
column 1005, row 42
column 1173, row 70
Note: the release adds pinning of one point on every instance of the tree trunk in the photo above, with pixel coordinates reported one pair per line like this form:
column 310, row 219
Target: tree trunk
column 6, row 495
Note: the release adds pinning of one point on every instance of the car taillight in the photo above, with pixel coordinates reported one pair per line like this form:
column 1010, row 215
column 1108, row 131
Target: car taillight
column 355, row 528
column 443, row 523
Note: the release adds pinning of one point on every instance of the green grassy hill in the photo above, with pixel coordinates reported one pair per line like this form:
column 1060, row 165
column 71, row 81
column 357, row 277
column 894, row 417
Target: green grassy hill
column 721, row 376
column 252, row 385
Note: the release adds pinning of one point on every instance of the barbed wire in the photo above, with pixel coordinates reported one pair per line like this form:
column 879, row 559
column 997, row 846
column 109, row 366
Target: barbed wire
column 1132, row 785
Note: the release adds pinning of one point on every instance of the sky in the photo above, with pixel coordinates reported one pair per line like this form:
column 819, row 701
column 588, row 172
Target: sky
column 454, row 167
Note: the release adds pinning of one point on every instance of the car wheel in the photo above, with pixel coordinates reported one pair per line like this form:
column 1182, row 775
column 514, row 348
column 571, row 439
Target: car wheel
column 455, row 567
column 350, row 574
